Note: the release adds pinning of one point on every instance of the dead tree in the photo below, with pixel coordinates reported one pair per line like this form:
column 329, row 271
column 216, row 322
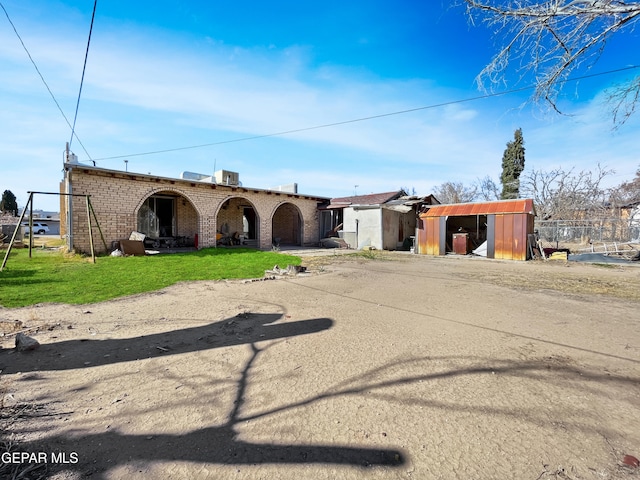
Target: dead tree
column 455, row 192
column 567, row 195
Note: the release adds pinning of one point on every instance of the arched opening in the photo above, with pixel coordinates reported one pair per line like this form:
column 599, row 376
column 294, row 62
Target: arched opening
column 237, row 222
column 168, row 220
column 286, row 225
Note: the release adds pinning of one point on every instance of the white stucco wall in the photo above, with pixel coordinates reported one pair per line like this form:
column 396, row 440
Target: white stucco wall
column 366, row 223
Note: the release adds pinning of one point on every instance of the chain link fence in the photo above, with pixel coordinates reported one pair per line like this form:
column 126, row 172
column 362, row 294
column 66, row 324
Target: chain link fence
column 586, row 231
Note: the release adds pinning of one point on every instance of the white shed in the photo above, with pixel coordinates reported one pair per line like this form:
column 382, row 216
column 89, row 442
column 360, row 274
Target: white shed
column 384, row 221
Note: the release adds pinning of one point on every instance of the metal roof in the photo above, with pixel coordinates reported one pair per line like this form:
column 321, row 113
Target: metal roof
column 481, row 208
column 407, row 203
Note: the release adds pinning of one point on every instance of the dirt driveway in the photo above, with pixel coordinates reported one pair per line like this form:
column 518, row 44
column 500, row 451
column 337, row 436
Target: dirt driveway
column 396, row 368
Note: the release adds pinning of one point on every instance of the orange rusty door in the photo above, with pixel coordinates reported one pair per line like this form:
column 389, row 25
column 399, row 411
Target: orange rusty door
column 430, row 235
column 519, row 237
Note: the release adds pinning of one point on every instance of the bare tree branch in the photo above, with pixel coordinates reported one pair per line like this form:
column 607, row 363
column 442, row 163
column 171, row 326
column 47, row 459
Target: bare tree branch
column 551, row 39
column 455, row 192
column 566, row 195
column 487, row 189
column 626, row 193
column 623, row 100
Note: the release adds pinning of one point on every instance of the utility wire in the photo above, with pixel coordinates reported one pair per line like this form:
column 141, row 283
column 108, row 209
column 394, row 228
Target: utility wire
column 84, row 67
column 400, row 112
column 43, row 80
column 316, row 127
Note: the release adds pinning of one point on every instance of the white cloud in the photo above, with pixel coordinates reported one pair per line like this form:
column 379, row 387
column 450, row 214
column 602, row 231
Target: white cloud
column 145, row 94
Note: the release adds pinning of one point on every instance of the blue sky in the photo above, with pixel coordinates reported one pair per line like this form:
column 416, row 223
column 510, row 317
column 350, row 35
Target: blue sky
column 166, row 74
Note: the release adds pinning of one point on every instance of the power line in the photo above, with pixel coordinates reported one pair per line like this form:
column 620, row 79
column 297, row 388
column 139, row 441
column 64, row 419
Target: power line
column 84, row 67
column 43, row 80
column 362, row 119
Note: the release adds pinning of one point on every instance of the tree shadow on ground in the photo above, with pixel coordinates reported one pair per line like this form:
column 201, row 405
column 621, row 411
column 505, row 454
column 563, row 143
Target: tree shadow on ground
column 221, row 445
column 554, row 371
column 99, row 453
column 245, row 328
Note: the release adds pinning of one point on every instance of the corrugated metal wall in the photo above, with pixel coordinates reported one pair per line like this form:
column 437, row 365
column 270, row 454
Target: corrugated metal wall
column 511, row 235
column 506, row 235
column 431, row 237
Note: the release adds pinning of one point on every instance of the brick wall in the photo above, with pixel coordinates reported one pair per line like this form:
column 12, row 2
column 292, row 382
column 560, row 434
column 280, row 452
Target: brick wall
column 117, row 196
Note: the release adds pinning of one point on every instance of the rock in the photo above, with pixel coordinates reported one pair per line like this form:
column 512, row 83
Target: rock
column 25, row 343
column 9, row 400
column 294, row 269
column 290, row 270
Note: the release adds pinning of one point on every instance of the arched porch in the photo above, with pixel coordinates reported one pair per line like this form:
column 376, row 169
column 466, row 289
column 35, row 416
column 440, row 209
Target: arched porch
column 287, row 225
column 237, row 223
column 168, row 219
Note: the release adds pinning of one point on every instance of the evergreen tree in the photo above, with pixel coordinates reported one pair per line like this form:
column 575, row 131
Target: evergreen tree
column 512, row 167
column 9, row 203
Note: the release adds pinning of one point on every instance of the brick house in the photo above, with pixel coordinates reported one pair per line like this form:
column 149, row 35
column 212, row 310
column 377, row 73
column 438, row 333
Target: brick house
column 183, row 211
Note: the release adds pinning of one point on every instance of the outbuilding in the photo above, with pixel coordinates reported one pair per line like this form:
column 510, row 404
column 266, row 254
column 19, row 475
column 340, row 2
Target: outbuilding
column 500, row 228
column 384, row 221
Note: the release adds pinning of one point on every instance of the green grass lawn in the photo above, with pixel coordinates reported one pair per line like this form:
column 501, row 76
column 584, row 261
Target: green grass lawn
column 51, row 276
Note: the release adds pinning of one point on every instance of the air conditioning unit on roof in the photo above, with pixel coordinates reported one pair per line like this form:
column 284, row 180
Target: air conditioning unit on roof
column 224, row 177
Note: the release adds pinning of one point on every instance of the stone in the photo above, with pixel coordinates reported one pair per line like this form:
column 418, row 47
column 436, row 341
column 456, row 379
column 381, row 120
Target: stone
column 25, row 343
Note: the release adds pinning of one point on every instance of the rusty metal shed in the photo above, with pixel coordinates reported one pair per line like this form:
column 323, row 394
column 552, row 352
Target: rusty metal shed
column 504, row 225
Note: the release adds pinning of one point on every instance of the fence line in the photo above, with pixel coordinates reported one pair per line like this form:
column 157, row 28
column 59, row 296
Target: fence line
column 594, row 230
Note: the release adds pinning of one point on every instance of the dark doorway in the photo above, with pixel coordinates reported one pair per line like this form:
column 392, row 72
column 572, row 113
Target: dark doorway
column 249, row 223
column 156, row 217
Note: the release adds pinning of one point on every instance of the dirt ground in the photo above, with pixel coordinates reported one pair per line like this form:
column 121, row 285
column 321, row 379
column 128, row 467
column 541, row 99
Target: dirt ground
column 397, row 367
